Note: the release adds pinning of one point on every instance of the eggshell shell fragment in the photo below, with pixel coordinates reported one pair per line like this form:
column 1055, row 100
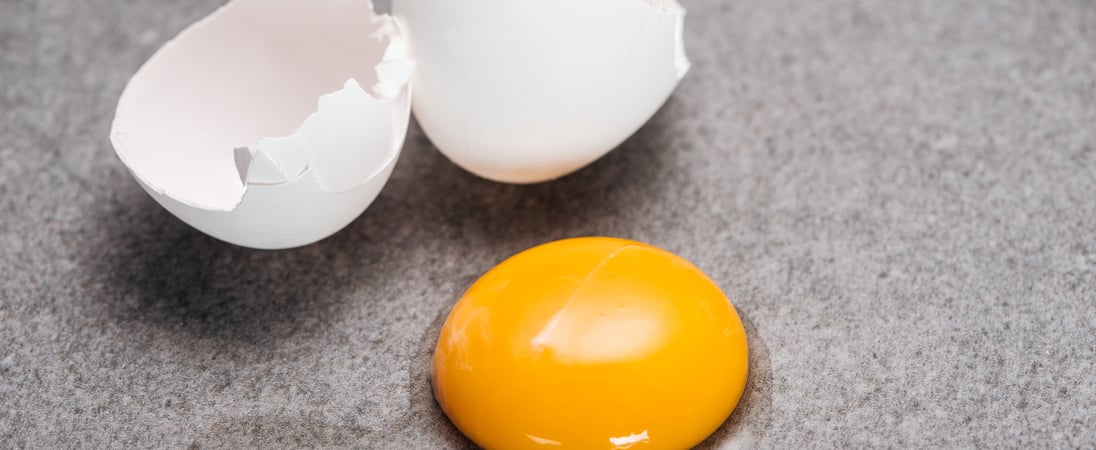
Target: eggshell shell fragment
column 255, row 125
column 526, row 91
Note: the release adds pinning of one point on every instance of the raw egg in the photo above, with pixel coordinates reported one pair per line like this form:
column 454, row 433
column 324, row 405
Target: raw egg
column 591, row 343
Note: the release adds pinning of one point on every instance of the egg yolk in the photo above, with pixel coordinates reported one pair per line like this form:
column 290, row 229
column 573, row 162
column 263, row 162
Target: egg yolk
column 591, row 343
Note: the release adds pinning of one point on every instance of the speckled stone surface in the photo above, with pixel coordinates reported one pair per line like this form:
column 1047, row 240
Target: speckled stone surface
column 899, row 197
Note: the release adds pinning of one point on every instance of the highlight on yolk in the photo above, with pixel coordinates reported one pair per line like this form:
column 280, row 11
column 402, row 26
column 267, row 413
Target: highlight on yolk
column 591, row 343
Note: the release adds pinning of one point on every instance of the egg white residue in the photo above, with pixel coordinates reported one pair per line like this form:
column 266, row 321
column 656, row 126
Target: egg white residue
column 255, row 126
column 525, row 91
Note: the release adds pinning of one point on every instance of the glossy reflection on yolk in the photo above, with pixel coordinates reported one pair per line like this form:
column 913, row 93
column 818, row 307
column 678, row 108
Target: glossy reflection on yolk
column 591, row 343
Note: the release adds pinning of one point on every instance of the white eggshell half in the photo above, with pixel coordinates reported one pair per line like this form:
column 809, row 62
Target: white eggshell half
column 270, row 123
column 525, row 91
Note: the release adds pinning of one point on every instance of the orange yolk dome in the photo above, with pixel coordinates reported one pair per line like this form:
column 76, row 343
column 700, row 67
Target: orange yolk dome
column 591, row 343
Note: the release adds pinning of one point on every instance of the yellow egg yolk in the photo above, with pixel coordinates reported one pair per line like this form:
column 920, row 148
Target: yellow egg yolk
column 591, row 343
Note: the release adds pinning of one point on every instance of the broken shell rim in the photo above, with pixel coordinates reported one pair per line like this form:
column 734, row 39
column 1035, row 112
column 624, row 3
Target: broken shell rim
column 674, row 8
column 396, row 39
column 681, row 58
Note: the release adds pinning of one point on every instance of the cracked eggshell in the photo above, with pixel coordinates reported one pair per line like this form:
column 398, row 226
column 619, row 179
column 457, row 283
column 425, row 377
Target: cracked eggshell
column 524, row 91
column 271, row 123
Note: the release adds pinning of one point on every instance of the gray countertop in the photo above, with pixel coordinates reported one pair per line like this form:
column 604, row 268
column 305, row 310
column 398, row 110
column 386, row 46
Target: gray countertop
column 899, row 197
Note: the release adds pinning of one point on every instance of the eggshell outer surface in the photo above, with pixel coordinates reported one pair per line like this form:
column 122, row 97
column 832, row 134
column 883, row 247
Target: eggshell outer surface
column 525, row 91
column 271, row 123
column 591, row 343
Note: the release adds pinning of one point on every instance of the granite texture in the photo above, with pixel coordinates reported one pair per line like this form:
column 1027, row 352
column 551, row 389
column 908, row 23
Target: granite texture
column 898, row 196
